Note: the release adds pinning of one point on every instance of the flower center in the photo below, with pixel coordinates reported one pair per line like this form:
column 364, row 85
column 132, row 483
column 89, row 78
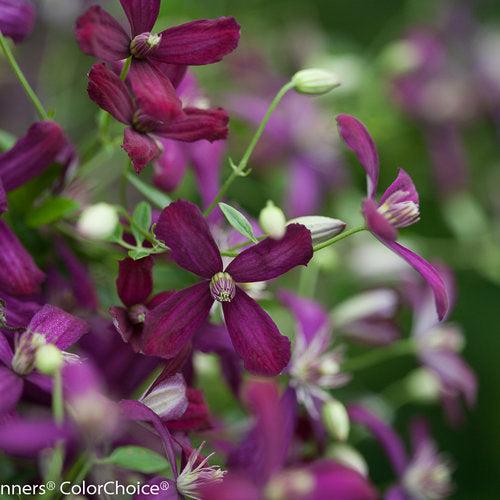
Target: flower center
column 23, row 361
column 137, row 314
column 222, row 287
column 429, row 480
column 399, row 210
column 143, row 44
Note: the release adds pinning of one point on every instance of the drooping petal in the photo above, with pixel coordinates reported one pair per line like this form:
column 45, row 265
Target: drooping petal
column 196, row 417
column 110, row 93
column 31, row 154
column 255, row 336
column 58, row 327
column 135, row 280
column 184, row 230
column 100, row 35
column 11, row 387
column 19, row 275
column 428, row 272
column 376, row 222
column 197, row 124
column 170, row 167
column 141, row 14
column 358, row 139
column 402, row 183
column 17, row 18
column 141, row 148
column 170, row 326
column 271, row 258
column 204, row 41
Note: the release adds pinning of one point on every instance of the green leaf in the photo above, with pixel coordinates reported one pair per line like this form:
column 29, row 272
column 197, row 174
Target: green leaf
column 141, row 219
column 160, row 199
column 139, row 253
column 138, row 459
column 51, row 210
column 238, row 221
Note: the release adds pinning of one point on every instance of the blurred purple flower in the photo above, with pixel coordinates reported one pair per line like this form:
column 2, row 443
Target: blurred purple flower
column 397, row 208
column 255, row 337
column 17, row 19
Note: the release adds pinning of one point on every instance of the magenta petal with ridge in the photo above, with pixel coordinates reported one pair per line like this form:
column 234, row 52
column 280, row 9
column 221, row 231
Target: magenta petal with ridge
column 142, row 14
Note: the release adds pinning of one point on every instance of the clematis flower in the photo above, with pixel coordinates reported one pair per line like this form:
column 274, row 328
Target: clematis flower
column 255, row 337
column 397, row 208
column 49, row 325
column 17, row 19
column 152, row 110
column 424, row 474
column 200, row 42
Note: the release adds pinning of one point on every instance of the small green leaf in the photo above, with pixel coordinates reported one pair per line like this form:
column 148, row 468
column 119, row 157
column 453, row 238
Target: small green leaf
column 140, row 253
column 117, row 236
column 238, row 221
column 141, row 219
column 138, row 459
column 51, row 210
column 160, row 199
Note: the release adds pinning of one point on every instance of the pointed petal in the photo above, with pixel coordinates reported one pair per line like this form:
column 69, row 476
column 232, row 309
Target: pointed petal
column 255, row 336
column 428, row 272
column 204, row 41
column 170, row 167
column 110, row 93
column 142, row 14
column 170, row 326
column 17, row 18
column 357, row 138
column 31, row 154
column 185, row 231
column 100, row 35
column 196, row 124
column 376, row 222
column 19, row 275
column 271, row 258
column 135, row 280
column 403, row 182
column 141, row 148
column 11, row 387
column 58, row 327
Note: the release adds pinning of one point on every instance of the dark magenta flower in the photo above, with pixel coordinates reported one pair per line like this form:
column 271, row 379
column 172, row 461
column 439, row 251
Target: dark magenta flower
column 397, row 208
column 17, row 18
column 204, row 41
column 152, row 110
column 171, row 325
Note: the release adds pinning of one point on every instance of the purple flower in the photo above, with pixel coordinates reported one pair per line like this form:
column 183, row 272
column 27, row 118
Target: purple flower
column 397, row 208
column 17, row 18
column 255, row 337
column 49, row 325
column 204, row 41
column 152, row 110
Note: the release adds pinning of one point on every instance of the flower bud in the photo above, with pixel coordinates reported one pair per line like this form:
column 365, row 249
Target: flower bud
column 272, row 221
column 423, row 386
column 400, row 58
column 336, row 420
column 348, row 456
column 98, row 222
column 315, row 81
column 48, row 359
column 322, row 228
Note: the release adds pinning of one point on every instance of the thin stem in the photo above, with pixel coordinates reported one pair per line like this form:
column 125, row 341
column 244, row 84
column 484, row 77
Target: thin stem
column 22, row 79
column 378, row 355
column 126, row 67
column 339, row 237
column 240, row 168
column 57, row 398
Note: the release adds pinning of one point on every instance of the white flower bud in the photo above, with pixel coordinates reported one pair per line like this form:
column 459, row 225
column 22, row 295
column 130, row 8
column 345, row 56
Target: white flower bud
column 322, row 228
column 423, row 386
column 336, row 420
column 48, row 359
column 272, row 221
column 98, row 222
column 348, row 456
column 315, row 81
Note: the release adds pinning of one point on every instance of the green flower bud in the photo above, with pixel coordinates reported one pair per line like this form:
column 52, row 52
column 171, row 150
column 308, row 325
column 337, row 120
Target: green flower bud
column 336, row 419
column 272, row 221
column 315, row 81
column 423, row 386
column 48, row 359
column 348, row 456
column 98, row 222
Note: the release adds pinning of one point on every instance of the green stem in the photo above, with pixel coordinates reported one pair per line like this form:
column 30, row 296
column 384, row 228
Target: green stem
column 57, row 398
column 339, row 237
column 378, row 355
column 240, row 168
column 22, row 79
column 126, row 67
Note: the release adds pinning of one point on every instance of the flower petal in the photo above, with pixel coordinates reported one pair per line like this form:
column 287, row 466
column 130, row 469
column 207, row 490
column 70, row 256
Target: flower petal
column 234, row 486
column 428, row 272
column 17, row 18
column 184, row 230
column 271, row 258
column 110, row 93
column 403, row 182
column 19, row 275
column 135, row 280
column 5, row 350
column 357, row 138
column 11, row 388
column 141, row 148
column 170, row 167
column 255, row 336
column 142, row 14
column 100, row 35
column 376, row 222
column 304, row 188
column 170, row 326
column 31, row 154
column 204, row 41
column 58, row 327
column 196, row 124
